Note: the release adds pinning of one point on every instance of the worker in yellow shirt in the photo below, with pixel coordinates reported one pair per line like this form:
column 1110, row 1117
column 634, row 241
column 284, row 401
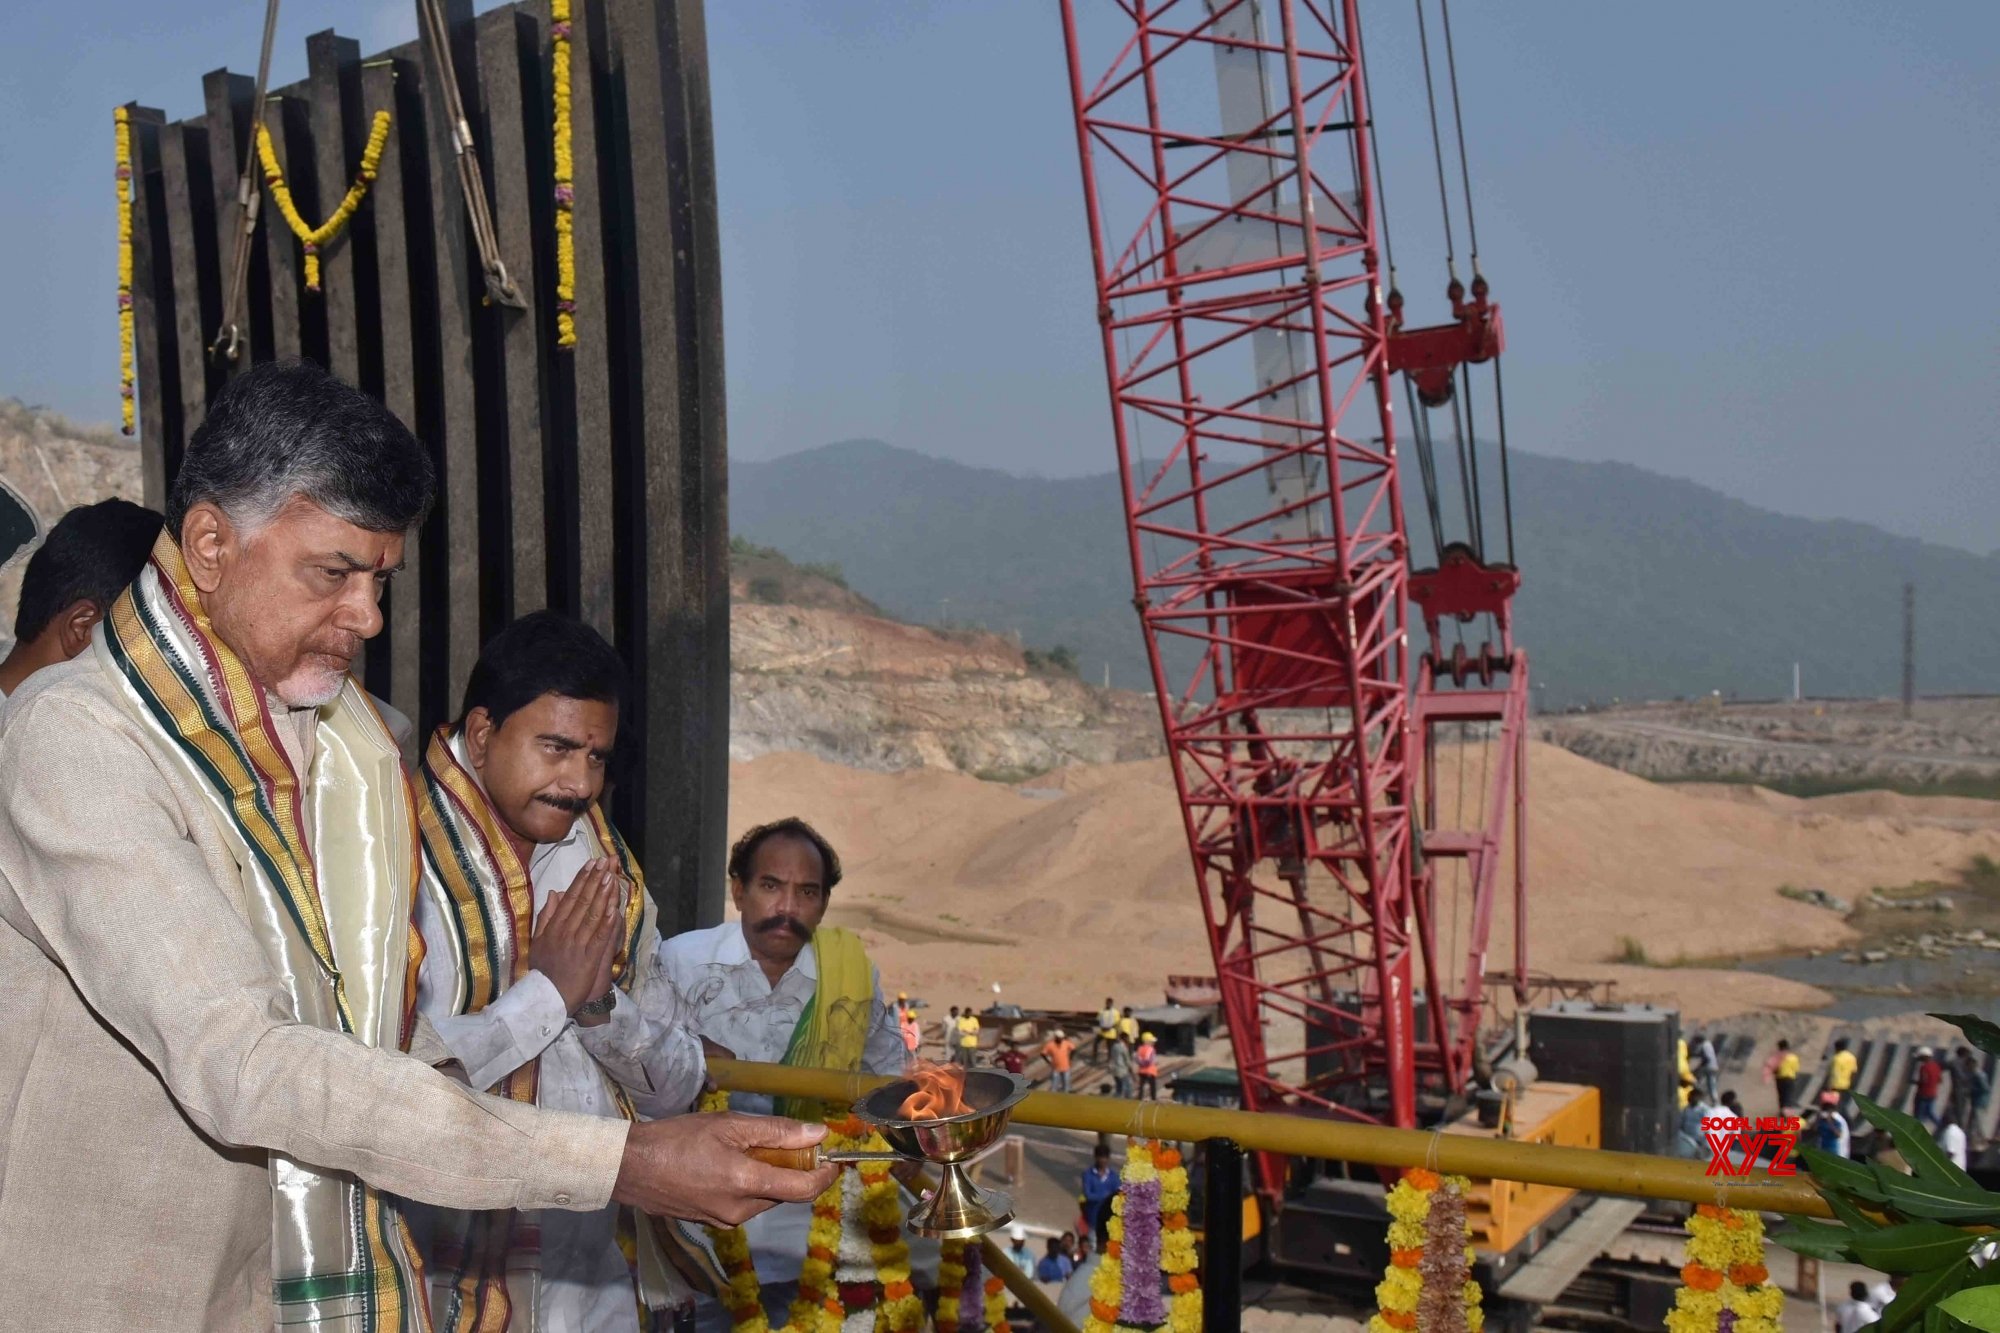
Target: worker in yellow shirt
column 1840, row 1072
column 968, row 1038
column 1685, row 1071
column 1784, row 1066
column 1128, row 1026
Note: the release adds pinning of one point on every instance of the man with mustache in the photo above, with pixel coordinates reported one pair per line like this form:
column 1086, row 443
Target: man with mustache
column 208, row 1121
column 539, row 973
column 780, row 987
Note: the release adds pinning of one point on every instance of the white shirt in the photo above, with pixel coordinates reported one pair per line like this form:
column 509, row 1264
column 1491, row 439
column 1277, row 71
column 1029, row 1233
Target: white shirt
column 1850, row 1316
column 736, row 1006
column 1879, row 1296
column 648, row 1045
column 1952, row 1139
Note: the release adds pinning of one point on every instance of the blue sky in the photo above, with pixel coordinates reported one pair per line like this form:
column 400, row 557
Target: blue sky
column 1749, row 244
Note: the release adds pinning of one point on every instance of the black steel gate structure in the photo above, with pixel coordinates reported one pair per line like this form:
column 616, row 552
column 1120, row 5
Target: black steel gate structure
column 589, row 479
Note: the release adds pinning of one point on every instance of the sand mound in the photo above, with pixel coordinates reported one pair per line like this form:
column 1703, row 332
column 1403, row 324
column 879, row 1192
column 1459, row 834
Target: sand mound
column 1085, row 874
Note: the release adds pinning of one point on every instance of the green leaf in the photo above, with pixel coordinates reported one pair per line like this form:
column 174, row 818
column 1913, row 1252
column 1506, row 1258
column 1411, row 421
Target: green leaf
column 1830, row 1172
column 1936, row 1200
column 1919, row 1293
column 1816, row 1240
column 1976, row 1306
column 1978, row 1031
column 1919, row 1149
column 1912, row 1247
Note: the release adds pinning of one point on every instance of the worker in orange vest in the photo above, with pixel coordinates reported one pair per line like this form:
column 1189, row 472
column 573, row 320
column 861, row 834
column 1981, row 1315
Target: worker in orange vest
column 1146, row 1063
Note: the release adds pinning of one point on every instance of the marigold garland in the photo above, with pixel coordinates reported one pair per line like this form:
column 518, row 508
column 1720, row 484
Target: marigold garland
column 996, row 1305
column 1178, row 1259
column 1428, row 1287
column 1149, row 1234
column 951, row 1285
column 312, row 238
column 565, row 173
column 1725, row 1287
column 122, row 120
column 871, row 1210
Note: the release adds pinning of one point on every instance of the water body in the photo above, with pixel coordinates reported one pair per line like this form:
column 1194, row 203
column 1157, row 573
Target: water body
column 1922, row 985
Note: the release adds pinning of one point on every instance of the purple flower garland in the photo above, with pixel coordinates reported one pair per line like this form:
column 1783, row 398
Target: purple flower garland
column 1139, row 1256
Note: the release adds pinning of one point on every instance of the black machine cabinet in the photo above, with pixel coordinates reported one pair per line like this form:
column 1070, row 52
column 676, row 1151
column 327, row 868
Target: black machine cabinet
column 1627, row 1053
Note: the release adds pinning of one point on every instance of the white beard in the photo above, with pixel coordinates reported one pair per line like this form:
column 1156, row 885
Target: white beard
column 310, row 689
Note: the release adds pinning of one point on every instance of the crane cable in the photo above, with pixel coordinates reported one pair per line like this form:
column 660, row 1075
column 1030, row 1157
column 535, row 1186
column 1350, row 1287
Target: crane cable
column 436, row 37
column 228, row 342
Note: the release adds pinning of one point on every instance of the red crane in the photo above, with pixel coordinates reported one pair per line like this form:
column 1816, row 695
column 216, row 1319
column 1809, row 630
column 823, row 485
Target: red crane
column 1232, row 199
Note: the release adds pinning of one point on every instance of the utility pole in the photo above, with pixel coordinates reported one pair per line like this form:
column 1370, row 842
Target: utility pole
column 1909, row 648
column 1795, row 682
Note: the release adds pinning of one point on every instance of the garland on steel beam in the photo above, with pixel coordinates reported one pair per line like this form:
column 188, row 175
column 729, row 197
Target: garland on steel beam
column 559, row 31
column 1429, row 1286
column 122, row 119
column 312, row 238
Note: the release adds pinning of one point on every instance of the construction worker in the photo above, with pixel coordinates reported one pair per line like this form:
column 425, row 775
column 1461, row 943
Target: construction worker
column 1840, row 1072
column 1785, row 1072
column 1146, row 1061
column 1058, row 1050
column 1128, row 1026
column 1107, row 1029
column 913, row 1031
column 968, row 1038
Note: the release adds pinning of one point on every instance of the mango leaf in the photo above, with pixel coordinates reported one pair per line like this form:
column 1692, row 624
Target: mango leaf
column 1916, row 1197
column 1816, row 1240
column 1919, row 1293
column 1830, row 1172
column 1919, row 1149
column 1912, row 1247
column 1978, row 1307
column 1978, row 1031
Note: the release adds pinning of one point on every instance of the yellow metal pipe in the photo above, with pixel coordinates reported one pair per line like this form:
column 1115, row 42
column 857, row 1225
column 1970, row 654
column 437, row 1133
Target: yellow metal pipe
column 1594, row 1170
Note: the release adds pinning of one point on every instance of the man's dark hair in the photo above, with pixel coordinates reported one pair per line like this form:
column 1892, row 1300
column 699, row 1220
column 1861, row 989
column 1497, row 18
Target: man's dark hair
column 288, row 428
column 90, row 555
column 542, row 653
column 1102, row 1151
column 1840, row 1044
column 1858, row 1290
column 1784, row 1045
column 745, row 850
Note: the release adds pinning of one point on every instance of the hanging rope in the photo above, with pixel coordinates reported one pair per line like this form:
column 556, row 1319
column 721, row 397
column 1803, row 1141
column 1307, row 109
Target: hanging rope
column 1458, row 118
column 1506, row 482
column 1437, row 140
column 436, row 38
column 229, row 339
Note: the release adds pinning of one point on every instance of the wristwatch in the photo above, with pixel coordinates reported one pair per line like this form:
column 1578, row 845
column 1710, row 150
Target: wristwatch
column 601, row 1005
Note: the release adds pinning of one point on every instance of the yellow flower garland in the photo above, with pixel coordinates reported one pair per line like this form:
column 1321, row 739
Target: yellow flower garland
column 1725, row 1272
column 123, row 121
column 817, row 1308
column 565, row 171
column 315, row 237
column 951, row 1285
column 1401, row 1289
column 1177, row 1252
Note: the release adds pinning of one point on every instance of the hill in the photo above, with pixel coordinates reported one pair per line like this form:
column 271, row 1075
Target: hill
column 1636, row 585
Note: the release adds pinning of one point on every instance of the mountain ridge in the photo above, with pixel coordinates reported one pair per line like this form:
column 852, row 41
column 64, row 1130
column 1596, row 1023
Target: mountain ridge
column 1636, row 585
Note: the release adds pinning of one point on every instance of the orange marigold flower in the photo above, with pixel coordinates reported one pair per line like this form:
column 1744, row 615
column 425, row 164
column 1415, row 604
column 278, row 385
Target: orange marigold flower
column 1711, row 1210
column 1749, row 1275
column 1168, row 1159
column 820, row 1252
column 896, row 1291
column 1732, row 1220
column 1105, row 1312
column 1700, row 1278
column 1397, row 1319
column 1114, row 1248
column 1182, row 1283
column 1410, row 1258
column 994, row 1286
column 1174, row 1222
column 1422, row 1179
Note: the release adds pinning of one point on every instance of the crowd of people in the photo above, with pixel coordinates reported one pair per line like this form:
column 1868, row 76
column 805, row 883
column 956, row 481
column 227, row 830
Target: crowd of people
column 1944, row 1096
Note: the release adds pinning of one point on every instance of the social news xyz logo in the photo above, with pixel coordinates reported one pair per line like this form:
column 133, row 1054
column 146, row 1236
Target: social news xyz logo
column 1736, row 1145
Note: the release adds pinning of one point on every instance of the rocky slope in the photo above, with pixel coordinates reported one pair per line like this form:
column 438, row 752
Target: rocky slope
column 824, row 674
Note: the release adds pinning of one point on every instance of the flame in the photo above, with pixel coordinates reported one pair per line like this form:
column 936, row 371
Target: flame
column 940, row 1092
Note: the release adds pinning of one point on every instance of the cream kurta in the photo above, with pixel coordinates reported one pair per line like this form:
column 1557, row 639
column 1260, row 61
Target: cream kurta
column 149, row 1060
